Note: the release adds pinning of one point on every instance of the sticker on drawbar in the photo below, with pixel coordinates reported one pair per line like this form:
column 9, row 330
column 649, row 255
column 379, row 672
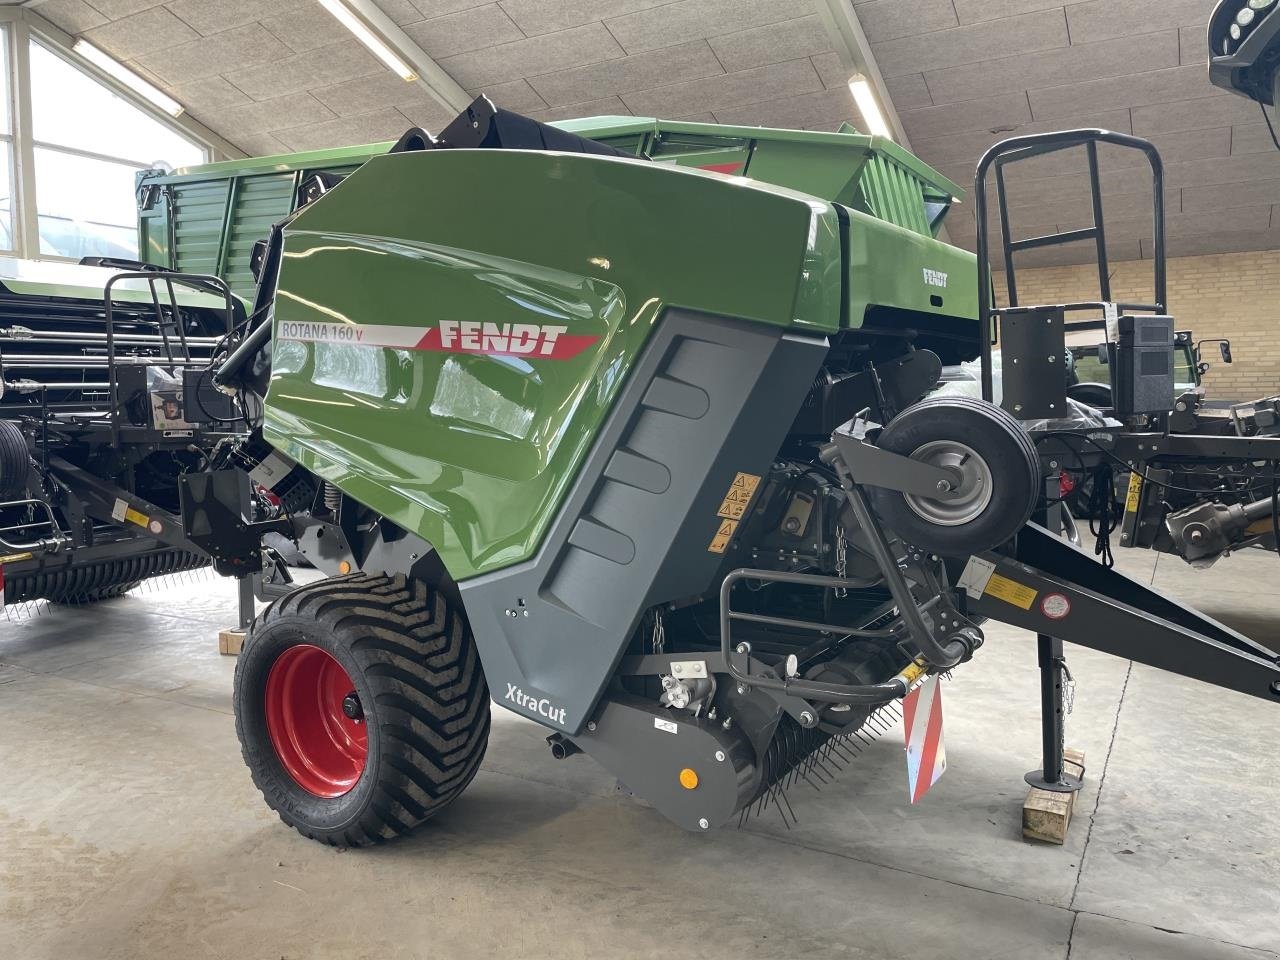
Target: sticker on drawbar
column 1111, row 314
column 274, row 467
column 667, row 726
column 1055, row 606
column 121, row 512
column 975, row 576
column 1011, row 591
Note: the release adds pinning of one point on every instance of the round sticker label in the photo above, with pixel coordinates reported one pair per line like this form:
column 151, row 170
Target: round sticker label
column 1055, row 606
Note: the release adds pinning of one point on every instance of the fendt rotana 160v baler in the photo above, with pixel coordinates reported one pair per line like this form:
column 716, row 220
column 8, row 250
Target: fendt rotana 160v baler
column 644, row 451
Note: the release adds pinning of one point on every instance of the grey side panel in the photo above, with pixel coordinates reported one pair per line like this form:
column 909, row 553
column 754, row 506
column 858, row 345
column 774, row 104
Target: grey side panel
column 709, row 397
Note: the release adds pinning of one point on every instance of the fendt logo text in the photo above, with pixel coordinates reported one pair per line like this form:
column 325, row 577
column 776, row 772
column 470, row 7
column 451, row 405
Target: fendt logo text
column 541, row 706
column 935, row 278
column 534, row 340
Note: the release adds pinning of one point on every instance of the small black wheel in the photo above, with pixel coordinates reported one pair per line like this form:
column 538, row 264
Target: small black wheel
column 14, row 461
column 361, row 707
column 994, row 459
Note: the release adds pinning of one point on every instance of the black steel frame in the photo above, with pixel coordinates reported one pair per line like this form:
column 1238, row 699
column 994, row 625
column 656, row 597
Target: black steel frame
column 1034, row 145
column 196, row 281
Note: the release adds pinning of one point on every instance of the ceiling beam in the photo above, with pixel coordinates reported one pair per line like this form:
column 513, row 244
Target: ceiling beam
column 432, row 77
column 850, row 42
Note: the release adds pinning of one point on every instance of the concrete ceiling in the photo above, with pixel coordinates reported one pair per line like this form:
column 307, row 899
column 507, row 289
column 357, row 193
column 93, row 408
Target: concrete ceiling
column 279, row 75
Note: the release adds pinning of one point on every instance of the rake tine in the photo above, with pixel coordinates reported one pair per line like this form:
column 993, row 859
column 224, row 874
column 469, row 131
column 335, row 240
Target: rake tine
column 805, row 778
column 826, row 771
column 789, row 810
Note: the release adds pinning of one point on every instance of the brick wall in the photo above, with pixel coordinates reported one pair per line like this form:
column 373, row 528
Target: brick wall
column 1235, row 295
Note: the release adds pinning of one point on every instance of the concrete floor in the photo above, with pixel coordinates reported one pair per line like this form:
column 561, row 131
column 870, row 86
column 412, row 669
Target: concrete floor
column 129, row 827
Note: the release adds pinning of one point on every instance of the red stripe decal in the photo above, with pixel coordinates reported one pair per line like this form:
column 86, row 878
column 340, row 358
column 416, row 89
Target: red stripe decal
column 527, row 340
column 929, row 758
column 729, row 168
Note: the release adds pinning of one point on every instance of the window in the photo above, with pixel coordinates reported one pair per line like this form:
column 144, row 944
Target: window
column 72, row 140
column 6, row 149
column 88, row 145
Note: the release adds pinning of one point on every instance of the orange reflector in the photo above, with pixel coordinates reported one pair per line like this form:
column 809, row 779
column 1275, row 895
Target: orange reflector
column 688, row 778
column 344, row 567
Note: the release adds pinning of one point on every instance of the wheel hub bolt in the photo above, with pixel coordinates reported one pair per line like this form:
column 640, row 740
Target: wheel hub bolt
column 351, row 707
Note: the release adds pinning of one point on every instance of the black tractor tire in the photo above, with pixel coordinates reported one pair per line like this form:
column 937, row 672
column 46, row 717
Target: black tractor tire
column 1002, row 446
column 1096, row 395
column 420, row 696
column 14, row 461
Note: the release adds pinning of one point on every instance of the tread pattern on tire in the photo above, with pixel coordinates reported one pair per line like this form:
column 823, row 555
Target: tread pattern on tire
column 890, row 503
column 14, row 461
column 430, row 701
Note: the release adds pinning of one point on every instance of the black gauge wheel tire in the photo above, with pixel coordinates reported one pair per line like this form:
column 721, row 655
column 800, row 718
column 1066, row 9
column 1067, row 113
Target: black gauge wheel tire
column 951, row 431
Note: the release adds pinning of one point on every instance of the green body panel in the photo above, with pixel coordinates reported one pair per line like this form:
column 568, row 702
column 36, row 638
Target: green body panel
column 206, row 218
column 474, row 452
column 895, row 268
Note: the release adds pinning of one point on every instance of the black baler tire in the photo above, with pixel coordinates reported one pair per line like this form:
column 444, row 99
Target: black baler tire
column 998, row 438
column 14, row 461
column 414, row 666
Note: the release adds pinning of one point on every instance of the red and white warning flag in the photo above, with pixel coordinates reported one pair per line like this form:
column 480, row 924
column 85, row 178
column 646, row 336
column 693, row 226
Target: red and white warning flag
column 922, row 723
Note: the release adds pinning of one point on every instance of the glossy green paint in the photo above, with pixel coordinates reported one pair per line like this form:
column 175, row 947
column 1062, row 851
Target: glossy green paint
column 205, row 218
column 475, row 452
column 892, row 267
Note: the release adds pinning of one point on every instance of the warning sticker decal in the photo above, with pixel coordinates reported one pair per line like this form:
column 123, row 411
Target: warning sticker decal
column 732, row 509
column 1010, row 591
column 121, row 511
column 1135, row 491
column 740, row 493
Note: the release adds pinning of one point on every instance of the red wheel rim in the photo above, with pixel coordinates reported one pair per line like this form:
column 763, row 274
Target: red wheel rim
column 319, row 745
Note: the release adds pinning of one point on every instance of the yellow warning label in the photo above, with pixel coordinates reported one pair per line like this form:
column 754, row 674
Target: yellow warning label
column 735, row 502
column 720, row 542
column 134, row 516
column 1010, row 591
column 15, row 557
column 1135, row 491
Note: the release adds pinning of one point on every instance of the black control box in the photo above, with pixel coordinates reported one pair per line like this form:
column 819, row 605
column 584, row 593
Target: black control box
column 1142, row 365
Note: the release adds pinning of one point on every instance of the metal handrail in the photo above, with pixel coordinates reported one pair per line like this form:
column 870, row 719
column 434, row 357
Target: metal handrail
column 194, row 280
column 1038, row 144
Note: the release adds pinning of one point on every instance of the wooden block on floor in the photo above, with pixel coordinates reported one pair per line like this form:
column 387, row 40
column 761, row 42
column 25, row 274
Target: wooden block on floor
column 1046, row 815
column 230, row 642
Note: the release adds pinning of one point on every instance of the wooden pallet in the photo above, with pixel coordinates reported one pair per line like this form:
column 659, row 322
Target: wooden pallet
column 230, row 642
column 1046, row 815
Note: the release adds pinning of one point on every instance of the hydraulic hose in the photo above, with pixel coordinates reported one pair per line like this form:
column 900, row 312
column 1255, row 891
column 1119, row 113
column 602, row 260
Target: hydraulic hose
column 224, row 378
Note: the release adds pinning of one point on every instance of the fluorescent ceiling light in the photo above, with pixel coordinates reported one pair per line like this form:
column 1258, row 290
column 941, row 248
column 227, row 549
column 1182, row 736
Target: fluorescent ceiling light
column 126, row 76
column 377, row 46
column 868, row 106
